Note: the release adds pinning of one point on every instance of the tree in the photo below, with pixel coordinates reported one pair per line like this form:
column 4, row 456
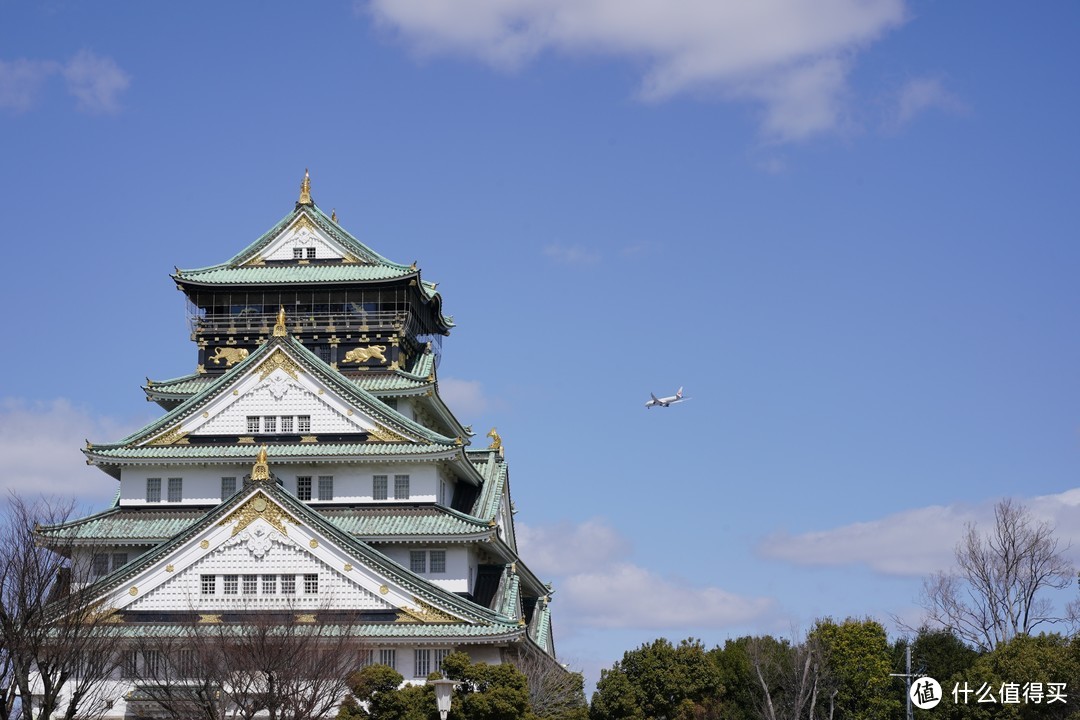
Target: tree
column 555, row 693
column 793, row 679
column 57, row 646
column 997, row 592
column 659, row 681
column 487, row 692
column 859, row 660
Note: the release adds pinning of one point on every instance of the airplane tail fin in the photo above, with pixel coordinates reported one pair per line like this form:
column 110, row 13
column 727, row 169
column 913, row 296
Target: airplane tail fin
column 679, row 394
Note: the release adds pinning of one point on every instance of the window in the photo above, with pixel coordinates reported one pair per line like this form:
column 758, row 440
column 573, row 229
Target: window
column 99, row 564
column 270, row 423
column 228, row 487
column 441, row 499
column 311, row 253
column 367, row 657
column 401, row 487
column 326, row 487
column 119, row 560
column 440, row 655
column 269, row 584
column 153, row 663
column 388, row 656
column 378, row 487
column 286, row 423
column 303, row 487
column 153, row 490
column 303, row 423
column 418, row 561
column 208, row 584
column 297, row 253
column 251, row 584
column 231, row 584
column 427, row 561
column 421, row 662
column 311, row 584
column 186, row 663
column 129, row 664
column 288, row 584
column 176, row 489
column 438, row 561
column 253, row 423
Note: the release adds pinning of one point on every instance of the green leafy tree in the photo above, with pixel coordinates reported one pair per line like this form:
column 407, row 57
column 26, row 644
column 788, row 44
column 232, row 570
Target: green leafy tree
column 379, row 687
column 1001, row 674
column 659, row 681
column 741, row 696
column 487, row 692
column 859, row 659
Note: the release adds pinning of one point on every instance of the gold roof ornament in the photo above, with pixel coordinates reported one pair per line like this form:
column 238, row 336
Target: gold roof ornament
column 305, row 190
column 261, row 469
column 333, row 214
column 496, row 440
column 279, row 327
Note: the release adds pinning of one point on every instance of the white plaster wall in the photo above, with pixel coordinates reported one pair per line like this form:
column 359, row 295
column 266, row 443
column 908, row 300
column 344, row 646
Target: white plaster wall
column 456, row 577
column 282, row 248
column 296, row 400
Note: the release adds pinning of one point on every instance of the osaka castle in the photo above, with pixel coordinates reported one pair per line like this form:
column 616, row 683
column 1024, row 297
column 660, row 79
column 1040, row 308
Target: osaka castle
column 308, row 469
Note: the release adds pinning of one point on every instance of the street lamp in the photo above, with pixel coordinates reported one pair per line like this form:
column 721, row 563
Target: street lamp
column 443, row 690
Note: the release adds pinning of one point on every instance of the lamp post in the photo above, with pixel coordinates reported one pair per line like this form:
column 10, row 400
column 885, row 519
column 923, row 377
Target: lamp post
column 443, row 691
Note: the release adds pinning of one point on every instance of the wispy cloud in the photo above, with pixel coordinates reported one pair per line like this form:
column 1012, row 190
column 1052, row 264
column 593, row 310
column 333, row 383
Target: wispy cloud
column 589, row 563
column 914, row 542
column 571, row 254
column 40, row 445
column 920, row 95
column 791, row 56
column 96, row 82
column 465, row 398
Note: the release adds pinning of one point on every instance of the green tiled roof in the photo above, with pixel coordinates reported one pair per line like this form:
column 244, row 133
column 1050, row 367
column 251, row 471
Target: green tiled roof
column 276, row 452
column 504, row 631
column 286, row 274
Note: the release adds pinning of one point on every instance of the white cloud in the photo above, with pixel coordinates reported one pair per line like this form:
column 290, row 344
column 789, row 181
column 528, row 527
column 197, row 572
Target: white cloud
column 464, row 397
column 96, row 82
column 791, row 55
column 595, row 587
column 914, row 542
column 21, row 82
column 571, row 255
column 920, row 95
column 40, row 444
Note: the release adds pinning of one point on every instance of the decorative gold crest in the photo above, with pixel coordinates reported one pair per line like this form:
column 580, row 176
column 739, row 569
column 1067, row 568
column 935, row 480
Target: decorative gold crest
column 305, row 190
column 278, row 359
column 313, row 543
column 210, row 619
column 305, row 618
column 424, row 613
column 169, row 568
column 204, row 544
column 133, row 591
column 385, row 435
column 172, row 437
column 249, row 513
column 348, row 567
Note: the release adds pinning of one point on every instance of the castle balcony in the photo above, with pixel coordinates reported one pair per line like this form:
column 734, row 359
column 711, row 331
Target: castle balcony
column 306, row 322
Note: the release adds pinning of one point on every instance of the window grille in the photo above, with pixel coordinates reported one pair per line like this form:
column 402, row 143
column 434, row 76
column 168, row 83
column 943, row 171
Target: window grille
column 418, row 561
column 367, row 657
column 303, row 423
column 421, row 662
column 99, row 564
column 311, row 253
column 270, row 423
column 253, row 423
column 378, row 487
column 153, row 490
column 269, row 584
column 303, row 487
column 438, row 561
column 129, row 664
column 440, row 655
column 176, row 489
column 401, row 487
column 286, row 423
column 326, row 487
column 388, row 656
column 251, row 584
column 297, row 253
column 288, row 584
column 208, row 584
column 186, row 663
column 311, row 584
column 232, row 583
column 119, row 560
column 228, row 487
column 153, row 663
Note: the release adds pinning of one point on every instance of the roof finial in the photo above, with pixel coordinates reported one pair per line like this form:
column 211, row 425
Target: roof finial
column 333, row 214
column 305, row 190
column 279, row 327
column 261, row 469
column 496, row 440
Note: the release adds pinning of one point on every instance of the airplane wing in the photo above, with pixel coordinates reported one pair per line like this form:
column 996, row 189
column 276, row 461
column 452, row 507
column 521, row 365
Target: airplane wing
column 655, row 399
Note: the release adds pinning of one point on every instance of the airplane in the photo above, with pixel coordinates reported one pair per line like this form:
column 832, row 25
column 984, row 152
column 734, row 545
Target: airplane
column 665, row 401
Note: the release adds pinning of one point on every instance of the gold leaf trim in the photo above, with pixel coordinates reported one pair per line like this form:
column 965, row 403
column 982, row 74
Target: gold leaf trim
column 385, row 435
column 172, row 437
column 249, row 512
column 305, row 618
column 425, row 613
column 210, row 619
column 278, row 360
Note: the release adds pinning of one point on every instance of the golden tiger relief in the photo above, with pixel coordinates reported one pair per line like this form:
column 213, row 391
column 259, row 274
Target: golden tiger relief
column 360, row 355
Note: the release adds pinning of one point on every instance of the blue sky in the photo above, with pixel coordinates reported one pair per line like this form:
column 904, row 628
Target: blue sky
column 848, row 228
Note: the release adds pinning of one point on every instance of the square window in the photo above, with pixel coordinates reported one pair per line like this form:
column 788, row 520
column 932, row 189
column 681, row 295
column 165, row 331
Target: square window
column 251, row 584
column 303, row 488
column 288, row 584
column 119, row 560
column 153, row 490
column 232, row 584
column 176, row 489
column 303, row 423
column 438, row 561
column 418, row 561
column 253, row 423
column 208, row 584
column 326, row 487
column 311, row 253
column 297, row 253
column 401, row 487
column 269, row 584
column 311, row 584
column 378, row 487
column 228, row 487
column 270, row 423
column 99, row 564
column 286, row 423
